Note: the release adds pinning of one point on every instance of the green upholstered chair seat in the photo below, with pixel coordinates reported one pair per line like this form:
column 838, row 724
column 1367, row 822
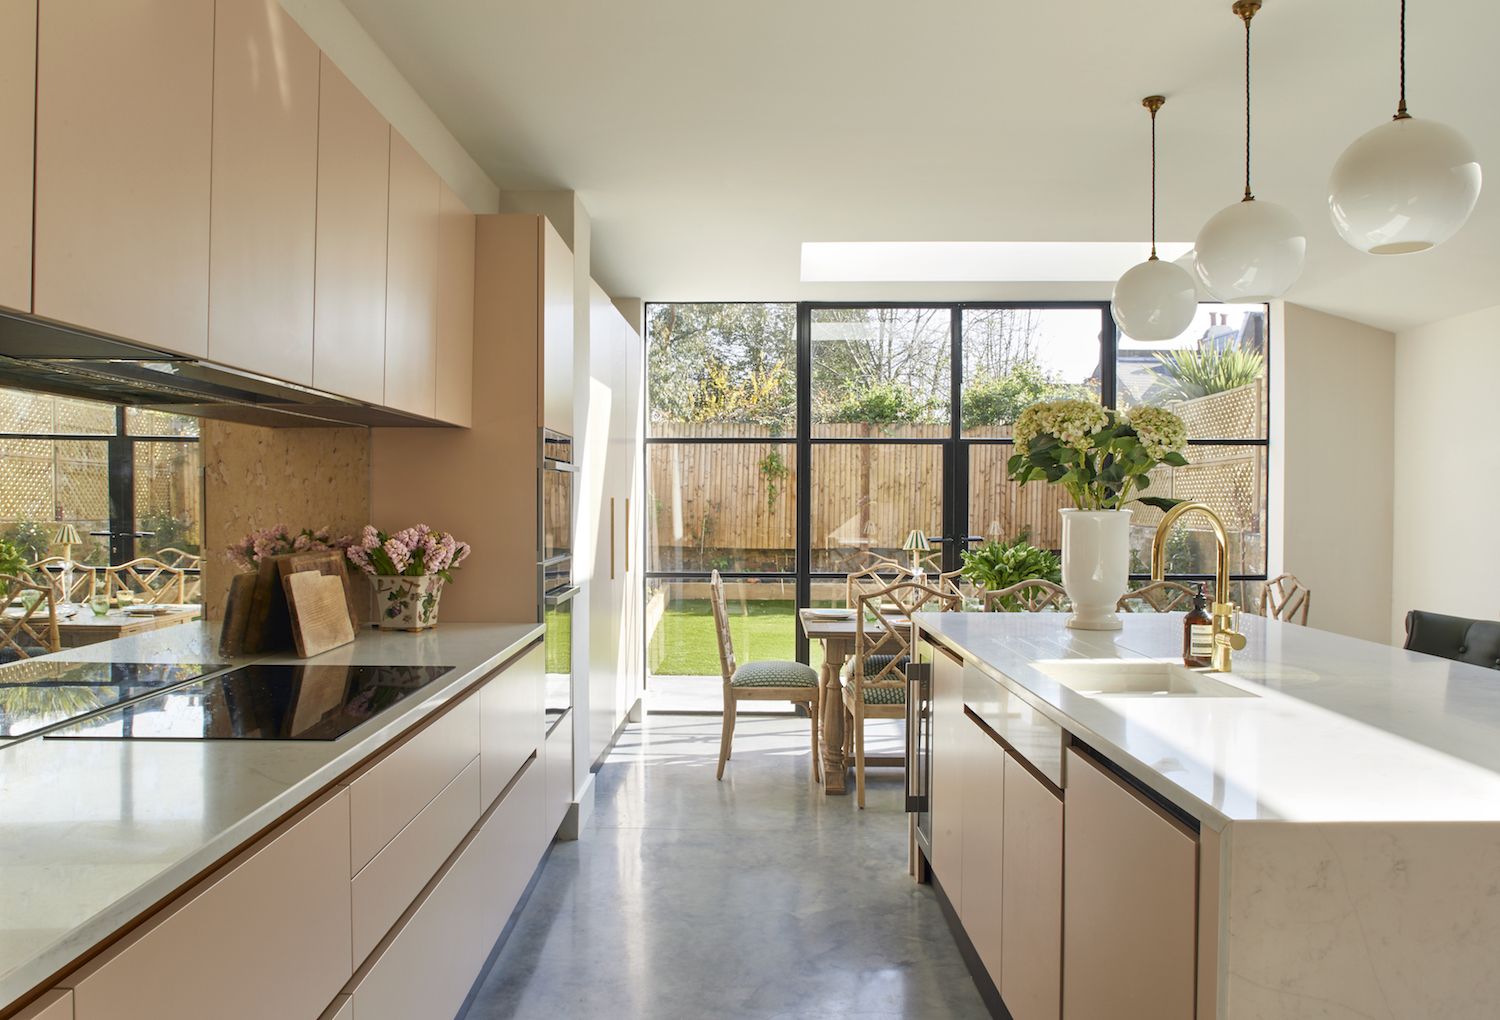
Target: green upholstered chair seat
column 774, row 673
column 880, row 695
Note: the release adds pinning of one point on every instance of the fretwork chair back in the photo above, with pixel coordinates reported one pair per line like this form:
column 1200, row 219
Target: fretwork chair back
column 1158, row 597
column 765, row 680
column 55, row 570
column 1034, row 595
column 28, row 626
column 153, row 581
column 877, row 575
column 1285, row 598
column 873, row 681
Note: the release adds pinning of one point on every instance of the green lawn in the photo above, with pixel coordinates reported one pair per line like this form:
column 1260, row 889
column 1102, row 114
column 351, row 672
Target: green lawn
column 684, row 645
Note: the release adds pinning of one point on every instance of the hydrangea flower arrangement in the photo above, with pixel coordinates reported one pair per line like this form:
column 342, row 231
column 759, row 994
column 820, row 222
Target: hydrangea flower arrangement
column 279, row 540
column 411, row 552
column 1101, row 457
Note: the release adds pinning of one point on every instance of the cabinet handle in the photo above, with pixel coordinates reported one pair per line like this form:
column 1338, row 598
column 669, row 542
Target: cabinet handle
column 627, row 534
column 611, row 538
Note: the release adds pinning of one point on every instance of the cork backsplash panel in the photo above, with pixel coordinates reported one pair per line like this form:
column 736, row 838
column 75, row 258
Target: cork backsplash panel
column 256, row 477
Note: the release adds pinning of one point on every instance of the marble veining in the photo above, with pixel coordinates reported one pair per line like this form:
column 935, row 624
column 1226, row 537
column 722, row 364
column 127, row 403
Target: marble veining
column 92, row 834
column 1337, row 729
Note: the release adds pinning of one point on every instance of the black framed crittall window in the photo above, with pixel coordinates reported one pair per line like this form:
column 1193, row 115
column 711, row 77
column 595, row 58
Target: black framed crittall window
column 789, row 444
column 129, row 479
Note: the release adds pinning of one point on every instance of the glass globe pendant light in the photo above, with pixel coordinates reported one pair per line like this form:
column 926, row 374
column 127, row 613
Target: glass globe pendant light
column 1406, row 186
column 1154, row 300
column 1252, row 250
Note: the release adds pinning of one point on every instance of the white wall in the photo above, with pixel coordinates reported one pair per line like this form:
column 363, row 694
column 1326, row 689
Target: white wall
column 1447, row 528
column 349, row 46
column 1332, row 480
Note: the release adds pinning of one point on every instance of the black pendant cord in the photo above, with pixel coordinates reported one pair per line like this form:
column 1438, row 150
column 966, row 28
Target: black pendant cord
column 1401, row 113
column 1249, row 195
column 1153, row 184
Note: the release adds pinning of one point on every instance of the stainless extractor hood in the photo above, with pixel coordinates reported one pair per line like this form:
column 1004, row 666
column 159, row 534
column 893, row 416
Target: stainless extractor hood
column 37, row 354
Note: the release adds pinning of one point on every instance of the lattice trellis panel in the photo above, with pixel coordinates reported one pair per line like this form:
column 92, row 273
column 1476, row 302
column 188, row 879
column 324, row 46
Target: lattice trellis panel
column 42, row 413
column 43, row 480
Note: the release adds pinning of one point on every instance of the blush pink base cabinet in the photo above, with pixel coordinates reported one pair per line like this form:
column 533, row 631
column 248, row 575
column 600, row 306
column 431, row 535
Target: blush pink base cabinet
column 1081, row 899
column 200, row 179
column 380, row 898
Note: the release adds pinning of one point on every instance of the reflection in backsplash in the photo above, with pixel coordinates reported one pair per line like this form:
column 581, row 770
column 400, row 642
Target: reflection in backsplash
column 256, row 477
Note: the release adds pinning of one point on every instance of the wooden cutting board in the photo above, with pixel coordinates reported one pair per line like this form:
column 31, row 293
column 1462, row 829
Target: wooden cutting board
column 319, row 611
column 267, row 628
column 237, row 614
column 330, row 563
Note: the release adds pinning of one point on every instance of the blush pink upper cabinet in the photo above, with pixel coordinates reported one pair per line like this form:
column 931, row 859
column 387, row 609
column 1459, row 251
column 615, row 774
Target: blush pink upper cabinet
column 455, row 337
column 17, row 125
column 265, row 189
column 123, row 142
column 353, row 187
column 411, row 288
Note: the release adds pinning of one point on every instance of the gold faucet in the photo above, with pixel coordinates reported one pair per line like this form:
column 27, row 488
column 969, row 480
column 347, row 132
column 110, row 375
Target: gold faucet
column 1227, row 640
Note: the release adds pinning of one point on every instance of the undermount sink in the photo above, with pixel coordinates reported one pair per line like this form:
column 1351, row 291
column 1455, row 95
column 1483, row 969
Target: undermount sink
column 1136, row 678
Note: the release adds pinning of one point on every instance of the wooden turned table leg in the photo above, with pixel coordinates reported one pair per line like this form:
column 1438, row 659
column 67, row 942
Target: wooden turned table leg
column 834, row 765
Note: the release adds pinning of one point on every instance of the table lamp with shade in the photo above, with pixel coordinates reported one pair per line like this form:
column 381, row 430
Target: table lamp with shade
column 916, row 544
column 67, row 536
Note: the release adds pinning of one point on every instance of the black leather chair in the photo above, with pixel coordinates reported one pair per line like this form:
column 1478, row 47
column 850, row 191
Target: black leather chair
column 1454, row 637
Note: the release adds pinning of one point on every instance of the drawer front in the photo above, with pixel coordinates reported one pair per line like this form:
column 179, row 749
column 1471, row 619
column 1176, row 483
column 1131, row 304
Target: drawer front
column 558, row 756
column 280, row 908
column 1030, row 733
column 512, row 723
column 55, row 1005
column 385, row 887
column 427, row 965
column 389, row 794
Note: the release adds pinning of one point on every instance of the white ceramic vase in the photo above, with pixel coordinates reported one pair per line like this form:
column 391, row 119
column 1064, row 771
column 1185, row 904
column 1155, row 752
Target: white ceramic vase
column 407, row 603
column 1095, row 565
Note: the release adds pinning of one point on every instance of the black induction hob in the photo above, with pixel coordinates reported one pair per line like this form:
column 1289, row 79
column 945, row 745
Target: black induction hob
column 261, row 702
column 37, row 693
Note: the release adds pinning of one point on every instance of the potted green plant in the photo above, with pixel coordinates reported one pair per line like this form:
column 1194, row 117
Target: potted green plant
column 997, row 565
column 1104, row 460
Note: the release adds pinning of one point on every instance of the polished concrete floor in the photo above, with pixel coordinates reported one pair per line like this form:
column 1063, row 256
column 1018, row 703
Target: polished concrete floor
column 757, row 897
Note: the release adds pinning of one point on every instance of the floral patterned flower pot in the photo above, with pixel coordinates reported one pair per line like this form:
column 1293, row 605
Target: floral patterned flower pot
column 407, row 603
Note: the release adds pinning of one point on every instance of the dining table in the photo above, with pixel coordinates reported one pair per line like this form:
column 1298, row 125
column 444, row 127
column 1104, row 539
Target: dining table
column 836, row 631
column 81, row 627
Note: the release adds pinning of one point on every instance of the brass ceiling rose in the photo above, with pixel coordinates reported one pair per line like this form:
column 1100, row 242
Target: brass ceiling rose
column 1154, row 103
column 1246, row 9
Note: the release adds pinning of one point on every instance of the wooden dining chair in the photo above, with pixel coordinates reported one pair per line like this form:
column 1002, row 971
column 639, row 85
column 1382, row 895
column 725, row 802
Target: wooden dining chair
column 54, row 569
column 27, row 626
column 155, row 581
column 1034, row 595
column 1158, row 597
column 764, row 680
column 873, row 681
column 1285, row 598
column 876, row 575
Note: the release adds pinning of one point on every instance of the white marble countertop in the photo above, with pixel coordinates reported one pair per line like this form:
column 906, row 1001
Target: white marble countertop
column 95, row 832
column 1338, row 729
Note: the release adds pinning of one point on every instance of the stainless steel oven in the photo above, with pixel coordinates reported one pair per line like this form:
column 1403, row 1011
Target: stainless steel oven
column 555, row 552
column 557, row 644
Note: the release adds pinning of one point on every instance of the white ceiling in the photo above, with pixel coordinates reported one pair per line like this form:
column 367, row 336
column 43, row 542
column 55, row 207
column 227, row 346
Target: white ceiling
column 709, row 138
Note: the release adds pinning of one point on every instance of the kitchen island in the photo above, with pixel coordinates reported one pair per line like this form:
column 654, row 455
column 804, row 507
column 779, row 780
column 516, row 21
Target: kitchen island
column 1314, row 834
column 153, row 840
